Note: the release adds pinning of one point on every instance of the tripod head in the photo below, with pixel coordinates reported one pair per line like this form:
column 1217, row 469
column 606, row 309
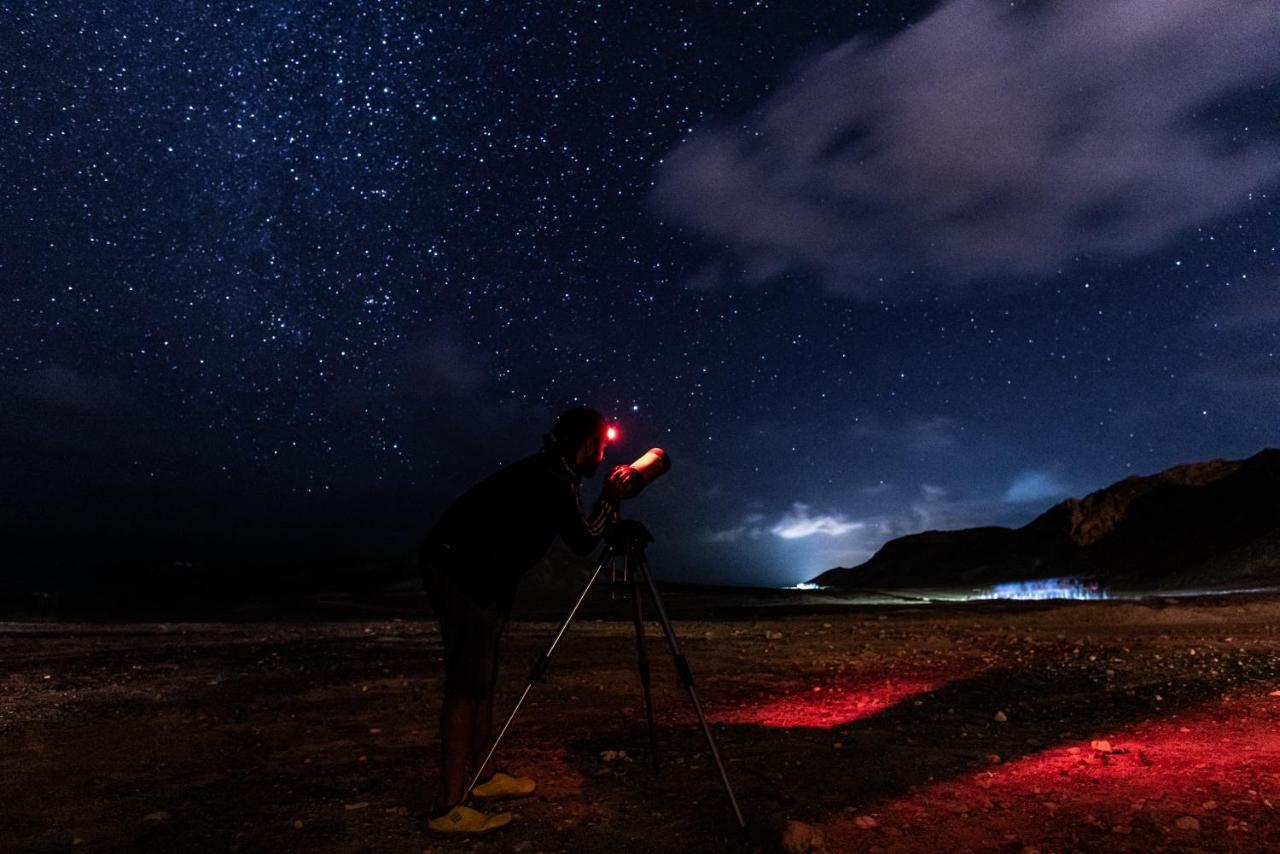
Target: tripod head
column 628, row 537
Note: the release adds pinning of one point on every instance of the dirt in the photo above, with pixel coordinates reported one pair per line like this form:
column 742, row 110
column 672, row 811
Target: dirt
column 1084, row 727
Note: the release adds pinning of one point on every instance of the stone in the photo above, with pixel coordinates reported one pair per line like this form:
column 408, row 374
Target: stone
column 1188, row 822
column 800, row 838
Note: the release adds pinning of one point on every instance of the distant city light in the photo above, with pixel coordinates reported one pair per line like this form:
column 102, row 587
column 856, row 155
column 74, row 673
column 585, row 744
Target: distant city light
column 1046, row 588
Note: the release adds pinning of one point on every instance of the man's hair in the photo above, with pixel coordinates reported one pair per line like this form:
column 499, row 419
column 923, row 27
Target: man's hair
column 575, row 425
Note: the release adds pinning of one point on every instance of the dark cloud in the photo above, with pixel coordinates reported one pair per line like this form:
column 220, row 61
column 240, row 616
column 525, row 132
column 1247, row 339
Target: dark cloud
column 74, row 391
column 68, row 414
column 985, row 141
column 462, row 425
column 1253, row 308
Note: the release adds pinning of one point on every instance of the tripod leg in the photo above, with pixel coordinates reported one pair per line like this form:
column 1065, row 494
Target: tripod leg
column 540, row 667
column 642, row 657
column 686, row 679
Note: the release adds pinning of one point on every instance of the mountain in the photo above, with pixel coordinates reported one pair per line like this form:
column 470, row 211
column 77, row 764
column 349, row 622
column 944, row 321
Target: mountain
column 1212, row 524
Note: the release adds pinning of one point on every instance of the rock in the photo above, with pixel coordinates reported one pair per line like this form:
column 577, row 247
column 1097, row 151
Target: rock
column 359, row 805
column 1101, row 746
column 771, row 635
column 1188, row 822
column 1001, row 717
column 866, row 822
column 800, row 838
column 158, row 816
column 613, row 755
column 297, row 824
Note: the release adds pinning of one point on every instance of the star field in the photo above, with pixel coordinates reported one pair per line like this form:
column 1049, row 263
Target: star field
column 302, row 271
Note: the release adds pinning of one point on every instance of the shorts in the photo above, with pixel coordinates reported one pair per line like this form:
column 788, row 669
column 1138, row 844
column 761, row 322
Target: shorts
column 470, row 633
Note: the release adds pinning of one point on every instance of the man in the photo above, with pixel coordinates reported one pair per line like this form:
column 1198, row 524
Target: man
column 471, row 564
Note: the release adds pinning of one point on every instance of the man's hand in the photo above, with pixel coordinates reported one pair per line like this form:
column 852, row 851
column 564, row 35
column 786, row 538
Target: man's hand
column 622, row 482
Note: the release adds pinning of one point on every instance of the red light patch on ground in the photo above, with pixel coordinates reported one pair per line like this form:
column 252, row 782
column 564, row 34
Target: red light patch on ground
column 825, row 706
column 1208, row 777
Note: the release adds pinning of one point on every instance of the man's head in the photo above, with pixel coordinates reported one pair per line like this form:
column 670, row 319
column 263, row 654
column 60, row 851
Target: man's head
column 580, row 435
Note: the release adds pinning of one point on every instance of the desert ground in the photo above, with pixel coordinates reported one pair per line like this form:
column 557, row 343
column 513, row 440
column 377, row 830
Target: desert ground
column 1096, row 726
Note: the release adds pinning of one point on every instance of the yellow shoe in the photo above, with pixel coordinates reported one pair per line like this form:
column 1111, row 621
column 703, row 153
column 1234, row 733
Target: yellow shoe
column 463, row 820
column 502, row 785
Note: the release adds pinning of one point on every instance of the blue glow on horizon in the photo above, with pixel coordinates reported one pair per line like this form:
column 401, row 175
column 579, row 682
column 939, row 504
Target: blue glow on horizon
column 1047, row 588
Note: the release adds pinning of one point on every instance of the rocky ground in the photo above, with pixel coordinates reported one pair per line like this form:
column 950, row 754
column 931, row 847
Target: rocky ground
column 1079, row 727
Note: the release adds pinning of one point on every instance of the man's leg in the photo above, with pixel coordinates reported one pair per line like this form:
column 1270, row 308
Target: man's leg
column 457, row 726
column 463, row 628
column 466, row 721
column 450, row 816
column 482, row 735
column 493, row 785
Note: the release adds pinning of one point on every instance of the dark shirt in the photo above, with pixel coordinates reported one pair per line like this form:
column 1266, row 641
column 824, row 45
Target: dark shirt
column 499, row 528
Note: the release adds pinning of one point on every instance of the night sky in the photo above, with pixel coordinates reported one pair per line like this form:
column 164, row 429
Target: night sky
column 280, row 279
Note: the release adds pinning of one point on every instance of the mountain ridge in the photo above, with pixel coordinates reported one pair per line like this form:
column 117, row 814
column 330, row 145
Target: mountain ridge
column 1178, row 527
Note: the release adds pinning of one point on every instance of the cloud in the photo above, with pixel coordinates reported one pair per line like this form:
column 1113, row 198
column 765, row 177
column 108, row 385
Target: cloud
column 749, row 528
column 1033, row 485
column 1252, row 308
column 796, row 524
column 438, row 365
column 988, row 141
column 71, row 390
column 1240, row 334
column 1257, row 378
column 932, row 492
column 932, row 434
column 727, row 535
column 799, row 523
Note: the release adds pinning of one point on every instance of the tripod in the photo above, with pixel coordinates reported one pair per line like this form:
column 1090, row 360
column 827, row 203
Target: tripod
column 626, row 543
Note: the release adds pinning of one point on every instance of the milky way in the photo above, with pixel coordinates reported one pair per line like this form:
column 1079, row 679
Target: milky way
column 287, row 276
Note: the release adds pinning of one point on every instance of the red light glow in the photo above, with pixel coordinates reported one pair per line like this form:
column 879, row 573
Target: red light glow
column 1218, row 741
column 611, row 433
column 1218, row 764
column 826, row 706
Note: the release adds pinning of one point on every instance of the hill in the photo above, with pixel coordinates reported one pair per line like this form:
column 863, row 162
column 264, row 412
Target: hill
column 1212, row 524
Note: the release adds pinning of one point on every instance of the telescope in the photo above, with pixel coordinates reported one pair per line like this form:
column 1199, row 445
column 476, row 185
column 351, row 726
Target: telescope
column 653, row 464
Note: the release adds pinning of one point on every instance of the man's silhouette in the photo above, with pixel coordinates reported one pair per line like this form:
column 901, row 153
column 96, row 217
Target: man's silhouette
column 471, row 564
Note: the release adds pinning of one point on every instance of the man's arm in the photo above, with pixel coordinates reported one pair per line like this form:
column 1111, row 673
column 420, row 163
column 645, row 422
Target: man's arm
column 582, row 531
